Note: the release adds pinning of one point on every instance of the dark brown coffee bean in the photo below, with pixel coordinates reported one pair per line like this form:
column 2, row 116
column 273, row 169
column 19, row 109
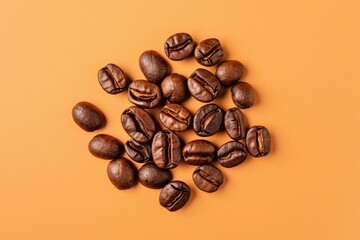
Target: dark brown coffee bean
column 174, row 195
column 106, row 147
column 209, row 52
column 138, row 124
column 88, row 117
column 243, row 95
column 198, row 152
column 179, row 46
column 203, row 85
column 112, row 79
column 258, row 141
column 229, row 72
column 139, row 152
column 235, row 123
column 174, row 88
column 175, row 117
column 153, row 66
column 208, row 120
column 208, row 178
column 144, row 94
column 231, row 154
column 166, row 149
column 153, row 177
column 122, row 173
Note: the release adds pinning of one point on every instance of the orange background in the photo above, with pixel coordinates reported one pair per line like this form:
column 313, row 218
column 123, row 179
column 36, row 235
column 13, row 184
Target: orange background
column 302, row 58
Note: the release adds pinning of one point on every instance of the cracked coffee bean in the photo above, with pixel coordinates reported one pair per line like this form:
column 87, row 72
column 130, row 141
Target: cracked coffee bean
column 229, row 72
column 174, row 88
column 203, row 85
column 208, row 178
column 166, row 149
column 258, row 141
column 139, row 152
column 175, row 117
column 231, row 154
column 88, row 117
column 122, row 173
column 153, row 177
column 112, row 79
column 198, row 152
column 243, row 95
column 105, row 146
column 144, row 94
column 208, row 120
column 153, row 66
column 174, row 195
column 235, row 123
column 209, row 52
column 179, row 46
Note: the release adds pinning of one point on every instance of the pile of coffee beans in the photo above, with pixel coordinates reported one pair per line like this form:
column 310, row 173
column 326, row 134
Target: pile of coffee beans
column 161, row 150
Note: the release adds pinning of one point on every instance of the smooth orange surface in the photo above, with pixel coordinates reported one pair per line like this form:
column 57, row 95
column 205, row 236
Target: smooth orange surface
column 302, row 57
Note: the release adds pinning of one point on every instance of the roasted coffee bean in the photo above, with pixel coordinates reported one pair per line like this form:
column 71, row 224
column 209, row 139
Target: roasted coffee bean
column 209, row 52
column 139, row 152
column 153, row 66
column 258, row 141
column 175, row 117
column 106, row 147
column 122, row 173
column 203, row 85
column 88, row 117
column 138, row 124
column 166, row 149
column 231, row 154
column 235, row 123
column 144, row 94
column 199, row 152
column 112, row 79
column 243, row 95
column 208, row 178
column 208, row 120
column 174, row 195
column 179, row 46
column 153, row 177
column 174, row 88
column 229, row 72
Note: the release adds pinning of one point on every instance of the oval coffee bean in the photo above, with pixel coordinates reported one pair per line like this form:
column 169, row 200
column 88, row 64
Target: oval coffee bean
column 229, row 72
column 174, row 88
column 122, row 173
column 105, row 146
column 153, row 177
column 175, row 117
column 258, row 141
column 235, row 123
column 139, row 152
column 144, row 94
column 198, row 152
column 208, row 178
column 88, row 117
column 174, row 195
column 153, row 66
column 203, row 85
column 243, row 95
column 209, row 52
column 112, row 79
column 231, row 154
column 179, row 46
column 138, row 124
column 208, row 120
column 166, row 149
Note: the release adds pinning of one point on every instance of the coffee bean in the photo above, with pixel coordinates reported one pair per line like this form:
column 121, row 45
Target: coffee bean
column 229, row 72
column 235, row 123
column 153, row 177
column 153, row 66
column 174, row 195
column 198, row 152
column 258, row 141
column 122, row 173
column 106, row 147
column 175, row 117
column 231, row 154
column 209, row 52
column 208, row 178
column 208, row 120
column 243, row 95
column 139, row 152
column 203, row 85
column 166, row 149
column 174, row 88
column 88, row 117
column 112, row 79
column 179, row 46
column 138, row 124
column 144, row 94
